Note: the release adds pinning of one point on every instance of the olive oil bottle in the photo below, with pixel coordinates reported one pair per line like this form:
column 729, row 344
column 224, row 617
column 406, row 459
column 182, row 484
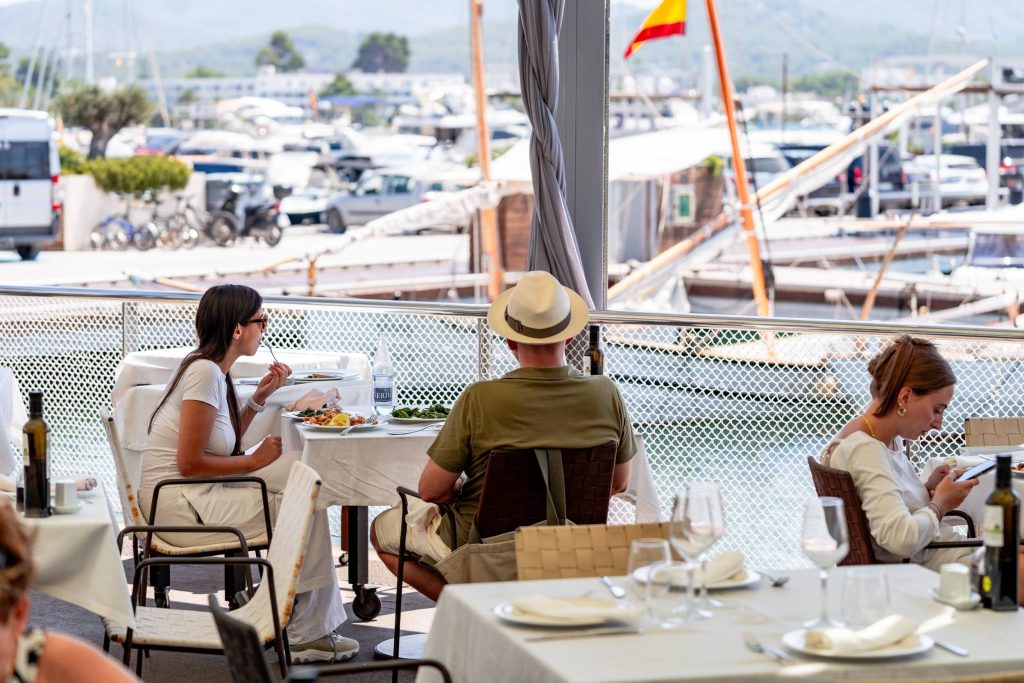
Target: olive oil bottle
column 593, row 364
column 36, row 434
column 1002, row 542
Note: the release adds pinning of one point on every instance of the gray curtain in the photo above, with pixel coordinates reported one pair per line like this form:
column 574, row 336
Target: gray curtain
column 553, row 244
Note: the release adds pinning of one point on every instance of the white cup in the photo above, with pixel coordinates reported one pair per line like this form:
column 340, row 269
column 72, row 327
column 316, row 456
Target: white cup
column 954, row 582
column 65, row 494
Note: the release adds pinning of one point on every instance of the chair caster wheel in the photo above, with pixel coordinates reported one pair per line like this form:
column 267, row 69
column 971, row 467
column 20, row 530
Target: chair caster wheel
column 366, row 604
column 343, row 558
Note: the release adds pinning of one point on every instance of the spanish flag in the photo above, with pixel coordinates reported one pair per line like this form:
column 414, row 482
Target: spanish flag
column 667, row 19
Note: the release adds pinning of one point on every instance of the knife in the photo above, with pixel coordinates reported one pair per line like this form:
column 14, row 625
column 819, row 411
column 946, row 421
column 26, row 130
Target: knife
column 955, row 649
column 592, row 633
column 617, row 590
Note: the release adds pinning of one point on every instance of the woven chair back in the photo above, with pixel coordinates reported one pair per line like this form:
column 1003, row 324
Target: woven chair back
column 242, row 647
column 562, row 552
column 126, row 490
column 287, row 551
column 514, row 493
column 993, row 431
column 839, row 484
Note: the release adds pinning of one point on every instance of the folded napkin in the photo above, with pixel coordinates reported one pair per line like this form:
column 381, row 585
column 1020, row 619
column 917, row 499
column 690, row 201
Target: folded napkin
column 85, row 484
column 312, row 400
column 888, row 631
column 568, row 609
column 423, row 520
column 723, row 567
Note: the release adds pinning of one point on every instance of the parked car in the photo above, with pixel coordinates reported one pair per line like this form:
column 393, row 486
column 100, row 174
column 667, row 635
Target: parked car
column 29, row 172
column 1011, row 163
column 384, row 191
column 829, row 197
column 961, row 180
column 890, row 169
column 763, row 162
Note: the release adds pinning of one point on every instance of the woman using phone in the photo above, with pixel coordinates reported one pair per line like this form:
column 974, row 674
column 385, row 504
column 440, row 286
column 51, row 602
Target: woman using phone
column 911, row 387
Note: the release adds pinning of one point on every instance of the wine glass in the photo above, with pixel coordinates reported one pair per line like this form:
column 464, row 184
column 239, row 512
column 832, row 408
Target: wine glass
column 824, row 542
column 644, row 552
column 697, row 522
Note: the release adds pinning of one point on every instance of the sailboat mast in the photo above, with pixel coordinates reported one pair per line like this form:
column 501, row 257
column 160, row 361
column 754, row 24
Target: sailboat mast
column 739, row 168
column 488, row 216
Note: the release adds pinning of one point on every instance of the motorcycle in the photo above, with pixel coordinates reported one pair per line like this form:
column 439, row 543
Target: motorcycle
column 242, row 215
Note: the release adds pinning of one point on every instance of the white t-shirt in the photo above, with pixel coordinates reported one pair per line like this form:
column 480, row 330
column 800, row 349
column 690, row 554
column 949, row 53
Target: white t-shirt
column 892, row 494
column 202, row 381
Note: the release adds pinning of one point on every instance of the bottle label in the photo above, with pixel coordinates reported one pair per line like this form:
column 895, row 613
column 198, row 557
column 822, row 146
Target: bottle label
column 586, row 367
column 992, row 527
column 25, row 453
column 382, row 395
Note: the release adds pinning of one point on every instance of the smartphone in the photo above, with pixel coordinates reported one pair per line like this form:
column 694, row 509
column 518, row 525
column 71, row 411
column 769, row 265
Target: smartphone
column 977, row 470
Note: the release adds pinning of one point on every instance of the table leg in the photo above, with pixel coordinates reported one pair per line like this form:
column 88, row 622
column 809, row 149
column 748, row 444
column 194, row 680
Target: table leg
column 366, row 604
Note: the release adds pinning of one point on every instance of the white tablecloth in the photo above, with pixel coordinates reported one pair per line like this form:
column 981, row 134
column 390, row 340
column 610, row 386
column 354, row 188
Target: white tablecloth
column 467, row 638
column 365, row 467
column 77, row 559
column 136, row 405
column 157, row 366
column 12, row 417
column 974, row 504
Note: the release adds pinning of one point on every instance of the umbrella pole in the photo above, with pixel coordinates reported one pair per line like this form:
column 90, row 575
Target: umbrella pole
column 739, row 168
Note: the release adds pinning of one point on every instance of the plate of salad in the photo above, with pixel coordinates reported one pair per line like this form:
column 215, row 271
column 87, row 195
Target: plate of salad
column 412, row 415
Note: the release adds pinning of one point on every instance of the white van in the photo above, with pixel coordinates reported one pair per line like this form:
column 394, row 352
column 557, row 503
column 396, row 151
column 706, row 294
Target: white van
column 29, row 172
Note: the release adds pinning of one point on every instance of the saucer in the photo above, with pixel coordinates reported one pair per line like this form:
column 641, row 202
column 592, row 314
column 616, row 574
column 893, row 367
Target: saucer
column 70, row 510
column 965, row 604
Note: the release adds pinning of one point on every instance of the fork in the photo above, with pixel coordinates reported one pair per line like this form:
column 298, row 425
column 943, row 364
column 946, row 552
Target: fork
column 777, row 581
column 271, row 349
column 411, row 431
column 754, row 645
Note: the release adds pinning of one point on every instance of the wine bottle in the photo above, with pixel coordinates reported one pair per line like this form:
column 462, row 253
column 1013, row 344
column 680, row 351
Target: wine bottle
column 1001, row 536
column 383, row 377
column 36, row 445
column 594, row 363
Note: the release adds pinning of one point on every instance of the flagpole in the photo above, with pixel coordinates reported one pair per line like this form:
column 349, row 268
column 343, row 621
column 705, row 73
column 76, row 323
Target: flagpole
column 739, row 168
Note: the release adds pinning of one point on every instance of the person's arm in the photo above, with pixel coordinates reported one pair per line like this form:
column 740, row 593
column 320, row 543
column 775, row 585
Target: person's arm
column 275, row 378
column 194, row 429
column 66, row 658
column 438, row 485
column 620, row 477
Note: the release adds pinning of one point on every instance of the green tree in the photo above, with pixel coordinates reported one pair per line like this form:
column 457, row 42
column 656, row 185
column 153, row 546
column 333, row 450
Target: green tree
column 203, row 72
column 339, row 86
column 102, row 113
column 8, row 85
column 388, row 52
column 280, row 53
column 828, row 84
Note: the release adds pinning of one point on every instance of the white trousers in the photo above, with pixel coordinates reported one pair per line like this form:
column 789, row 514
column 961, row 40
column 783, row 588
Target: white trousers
column 318, row 609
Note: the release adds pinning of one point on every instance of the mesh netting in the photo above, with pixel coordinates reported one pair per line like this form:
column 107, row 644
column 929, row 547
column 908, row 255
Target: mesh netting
column 732, row 406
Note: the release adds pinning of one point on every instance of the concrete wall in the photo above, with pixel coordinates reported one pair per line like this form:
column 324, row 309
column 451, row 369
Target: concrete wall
column 85, row 205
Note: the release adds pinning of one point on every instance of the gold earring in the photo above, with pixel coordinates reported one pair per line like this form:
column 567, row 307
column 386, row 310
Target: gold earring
column 901, row 411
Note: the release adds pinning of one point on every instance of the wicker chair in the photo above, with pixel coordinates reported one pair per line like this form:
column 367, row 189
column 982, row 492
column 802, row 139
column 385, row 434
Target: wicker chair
column 838, row 483
column 514, row 494
column 268, row 610
column 150, row 544
column 562, row 552
column 993, row 431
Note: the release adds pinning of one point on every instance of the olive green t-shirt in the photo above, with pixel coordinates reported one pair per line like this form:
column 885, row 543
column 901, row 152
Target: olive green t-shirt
column 527, row 408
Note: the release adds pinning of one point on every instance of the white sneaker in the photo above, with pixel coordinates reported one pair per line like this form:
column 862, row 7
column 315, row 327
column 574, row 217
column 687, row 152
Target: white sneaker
column 330, row 648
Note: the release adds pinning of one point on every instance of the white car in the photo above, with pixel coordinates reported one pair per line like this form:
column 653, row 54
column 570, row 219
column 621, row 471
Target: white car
column 961, row 179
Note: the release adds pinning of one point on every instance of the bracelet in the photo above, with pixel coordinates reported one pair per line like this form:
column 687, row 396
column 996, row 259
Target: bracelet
column 939, row 512
column 254, row 406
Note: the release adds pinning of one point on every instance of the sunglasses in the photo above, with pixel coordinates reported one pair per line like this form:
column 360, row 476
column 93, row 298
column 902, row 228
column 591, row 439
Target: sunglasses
column 262, row 322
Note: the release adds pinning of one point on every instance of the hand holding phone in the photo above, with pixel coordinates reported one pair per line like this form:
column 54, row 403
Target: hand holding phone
column 976, row 471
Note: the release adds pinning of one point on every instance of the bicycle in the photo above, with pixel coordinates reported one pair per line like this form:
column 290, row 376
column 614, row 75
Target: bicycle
column 186, row 222
column 116, row 231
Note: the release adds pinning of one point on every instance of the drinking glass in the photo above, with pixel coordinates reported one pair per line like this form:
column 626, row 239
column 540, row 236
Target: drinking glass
column 824, row 542
column 665, row 605
column 643, row 552
column 865, row 596
column 697, row 522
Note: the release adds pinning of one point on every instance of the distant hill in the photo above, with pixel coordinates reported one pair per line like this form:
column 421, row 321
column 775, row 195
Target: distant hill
column 818, row 35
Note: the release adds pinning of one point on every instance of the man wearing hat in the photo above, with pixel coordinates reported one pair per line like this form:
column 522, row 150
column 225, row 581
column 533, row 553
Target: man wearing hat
column 543, row 403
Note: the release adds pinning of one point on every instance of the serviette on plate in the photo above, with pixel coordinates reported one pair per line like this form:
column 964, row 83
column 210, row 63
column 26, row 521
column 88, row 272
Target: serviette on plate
column 884, row 632
column 85, row 484
column 568, row 609
column 313, row 400
column 723, row 567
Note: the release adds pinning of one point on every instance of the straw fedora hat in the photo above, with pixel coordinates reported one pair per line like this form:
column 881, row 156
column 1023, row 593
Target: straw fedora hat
column 538, row 310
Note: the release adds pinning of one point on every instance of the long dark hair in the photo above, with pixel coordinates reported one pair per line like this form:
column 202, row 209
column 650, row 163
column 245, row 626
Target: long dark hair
column 220, row 310
column 907, row 362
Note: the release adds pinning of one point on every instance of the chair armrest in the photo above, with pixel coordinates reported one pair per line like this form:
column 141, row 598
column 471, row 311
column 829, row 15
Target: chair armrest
column 150, row 529
column 309, row 673
column 971, row 533
column 404, row 494
column 970, row 543
column 241, row 479
column 138, row 578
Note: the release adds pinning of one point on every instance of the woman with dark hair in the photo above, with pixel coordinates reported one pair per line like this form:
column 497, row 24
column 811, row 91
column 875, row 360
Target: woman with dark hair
column 196, row 431
column 911, row 386
column 33, row 655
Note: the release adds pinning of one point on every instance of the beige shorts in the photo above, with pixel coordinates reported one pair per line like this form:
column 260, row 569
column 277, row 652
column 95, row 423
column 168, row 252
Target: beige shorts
column 387, row 528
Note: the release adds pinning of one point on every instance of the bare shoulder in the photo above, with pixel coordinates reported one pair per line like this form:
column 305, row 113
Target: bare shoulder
column 66, row 658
